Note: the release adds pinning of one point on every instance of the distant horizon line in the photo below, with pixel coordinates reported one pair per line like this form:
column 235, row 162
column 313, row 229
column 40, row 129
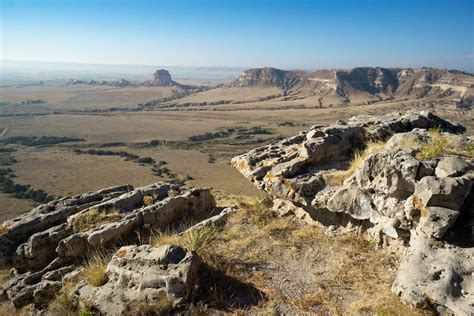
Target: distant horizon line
column 228, row 67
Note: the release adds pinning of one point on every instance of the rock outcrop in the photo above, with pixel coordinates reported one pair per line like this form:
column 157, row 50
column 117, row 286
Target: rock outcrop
column 412, row 190
column 49, row 242
column 143, row 275
column 161, row 78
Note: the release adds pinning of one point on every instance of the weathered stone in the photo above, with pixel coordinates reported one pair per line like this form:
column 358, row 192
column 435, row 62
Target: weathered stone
column 453, row 167
column 391, row 196
column 216, row 220
column 144, row 274
column 435, row 221
column 40, row 248
column 58, row 242
column 431, row 275
column 443, row 192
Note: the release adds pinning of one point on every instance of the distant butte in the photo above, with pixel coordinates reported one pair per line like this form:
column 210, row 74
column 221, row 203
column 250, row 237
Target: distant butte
column 161, row 78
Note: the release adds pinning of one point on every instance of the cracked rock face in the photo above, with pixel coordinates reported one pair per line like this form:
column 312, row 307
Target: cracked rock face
column 395, row 194
column 47, row 243
column 145, row 275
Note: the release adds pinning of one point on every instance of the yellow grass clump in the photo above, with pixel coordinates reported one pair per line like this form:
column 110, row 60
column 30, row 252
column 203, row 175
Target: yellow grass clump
column 338, row 177
column 94, row 270
column 436, row 147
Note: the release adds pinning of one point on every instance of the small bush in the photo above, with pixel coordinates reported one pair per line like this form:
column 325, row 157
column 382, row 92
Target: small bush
column 146, row 160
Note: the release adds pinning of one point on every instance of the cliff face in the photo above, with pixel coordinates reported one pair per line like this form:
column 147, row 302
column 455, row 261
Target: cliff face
column 375, row 81
column 267, row 77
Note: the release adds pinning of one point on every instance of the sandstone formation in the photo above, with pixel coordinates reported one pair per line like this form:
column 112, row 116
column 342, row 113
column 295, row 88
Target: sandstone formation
column 48, row 243
column 161, row 78
column 143, row 275
column 412, row 190
column 371, row 83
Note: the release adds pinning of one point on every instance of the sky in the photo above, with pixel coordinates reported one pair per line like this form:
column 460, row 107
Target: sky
column 285, row 34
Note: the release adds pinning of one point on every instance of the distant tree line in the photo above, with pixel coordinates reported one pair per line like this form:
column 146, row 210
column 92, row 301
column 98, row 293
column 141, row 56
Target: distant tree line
column 124, row 154
column 20, row 191
column 38, row 141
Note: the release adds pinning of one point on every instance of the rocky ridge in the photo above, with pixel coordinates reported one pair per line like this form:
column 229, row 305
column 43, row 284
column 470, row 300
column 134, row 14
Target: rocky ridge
column 375, row 82
column 411, row 190
column 50, row 243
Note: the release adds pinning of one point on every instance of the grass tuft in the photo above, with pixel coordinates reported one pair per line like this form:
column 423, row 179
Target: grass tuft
column 338, row 177
column 198, row 238
column 94, row 271
column 436, row 147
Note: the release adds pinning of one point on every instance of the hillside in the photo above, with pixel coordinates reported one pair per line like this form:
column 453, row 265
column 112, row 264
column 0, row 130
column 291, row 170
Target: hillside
column 357, row 217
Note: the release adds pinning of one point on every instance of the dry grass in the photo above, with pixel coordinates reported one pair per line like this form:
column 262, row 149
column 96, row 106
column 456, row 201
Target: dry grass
column 6, row 308
column 162, row 306
column 193, row 240
column 436, row 147
column 64, row 304
column 439, row 146
column 3, row 229
column 198, row 238
column 94, row 270
column 338, row 177
column 150, row 199
column 349, row 276
column 93, row 218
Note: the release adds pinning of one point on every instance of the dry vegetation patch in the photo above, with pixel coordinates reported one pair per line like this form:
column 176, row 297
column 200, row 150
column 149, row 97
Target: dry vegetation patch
column 260, row 263
column 338, row 177
column 94, row 270
column 439, row 146
column 93, row 218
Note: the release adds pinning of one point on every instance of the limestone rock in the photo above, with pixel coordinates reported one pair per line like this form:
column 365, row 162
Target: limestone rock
column 453, row 167
column 422, row 205
column 439, row 276
column 216, row 220
column 144, row 274
column 47, row 243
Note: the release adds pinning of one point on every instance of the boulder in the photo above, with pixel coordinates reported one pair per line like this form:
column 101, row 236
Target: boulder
column 144, row 274
column 453, row 166
column 439, row 277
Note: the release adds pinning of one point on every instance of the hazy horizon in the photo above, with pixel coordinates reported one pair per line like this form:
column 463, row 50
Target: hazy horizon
column 244, row 34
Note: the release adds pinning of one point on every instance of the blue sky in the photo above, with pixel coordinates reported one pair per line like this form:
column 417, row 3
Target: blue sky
column 285, row 34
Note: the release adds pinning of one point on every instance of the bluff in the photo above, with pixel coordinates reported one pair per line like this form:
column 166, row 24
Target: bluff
column 385, row 83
